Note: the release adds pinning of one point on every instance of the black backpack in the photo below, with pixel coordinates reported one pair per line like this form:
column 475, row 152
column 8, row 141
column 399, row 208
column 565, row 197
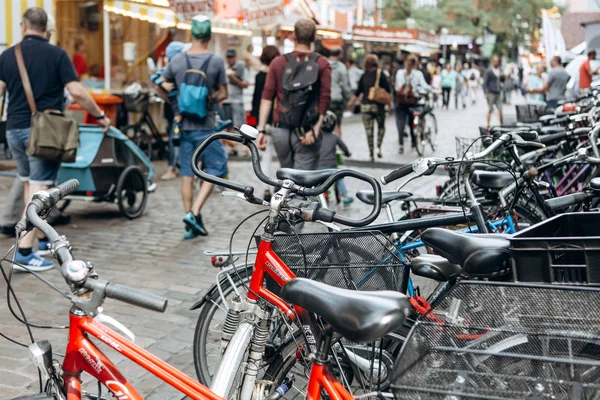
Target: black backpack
column 300, row 98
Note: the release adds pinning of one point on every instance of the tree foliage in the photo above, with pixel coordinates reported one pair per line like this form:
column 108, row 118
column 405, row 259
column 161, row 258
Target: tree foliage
column 514, row 22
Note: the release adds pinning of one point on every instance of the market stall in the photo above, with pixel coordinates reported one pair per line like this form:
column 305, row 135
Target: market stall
column 11, row 12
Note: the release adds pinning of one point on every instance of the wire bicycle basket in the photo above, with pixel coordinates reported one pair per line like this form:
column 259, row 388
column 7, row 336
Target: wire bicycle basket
column 364, row 260
column 531, row 341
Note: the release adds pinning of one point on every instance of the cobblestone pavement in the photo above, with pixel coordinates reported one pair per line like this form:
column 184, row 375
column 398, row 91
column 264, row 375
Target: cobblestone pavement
column 148, row 253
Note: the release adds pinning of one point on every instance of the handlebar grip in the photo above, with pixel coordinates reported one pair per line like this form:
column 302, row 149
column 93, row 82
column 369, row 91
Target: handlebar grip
column 136, row 297
column 528, row 136
column 553, row 138
column 558, row 121
column 63, row 190
column 397, row 174
column 566, row 201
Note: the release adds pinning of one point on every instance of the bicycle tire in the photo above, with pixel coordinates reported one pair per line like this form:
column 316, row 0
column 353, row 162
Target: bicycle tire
column 143, row 140
column 432, row 128
column 419, row 139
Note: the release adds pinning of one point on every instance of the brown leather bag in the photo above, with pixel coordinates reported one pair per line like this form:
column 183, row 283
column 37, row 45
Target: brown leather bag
column 379, row 94
column 52, row 136
column 405, row 95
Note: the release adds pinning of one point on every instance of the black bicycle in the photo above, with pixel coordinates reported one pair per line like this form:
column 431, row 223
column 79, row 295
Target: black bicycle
column 144, row 133
column 425, row 126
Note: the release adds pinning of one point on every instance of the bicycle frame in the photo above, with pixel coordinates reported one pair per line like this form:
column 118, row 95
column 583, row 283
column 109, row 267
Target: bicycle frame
column 83, row 356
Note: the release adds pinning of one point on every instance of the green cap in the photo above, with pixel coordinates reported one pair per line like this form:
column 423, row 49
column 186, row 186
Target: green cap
column 201, row 27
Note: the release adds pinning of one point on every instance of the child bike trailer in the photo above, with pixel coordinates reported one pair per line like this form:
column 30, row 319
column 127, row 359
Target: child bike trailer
column 109, row 168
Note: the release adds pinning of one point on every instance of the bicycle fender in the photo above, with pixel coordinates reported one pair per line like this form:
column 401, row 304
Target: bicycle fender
column 213, row 291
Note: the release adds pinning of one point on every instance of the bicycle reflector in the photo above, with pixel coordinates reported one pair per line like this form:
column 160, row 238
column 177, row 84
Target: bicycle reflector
column 41, row 355
column 438, row 190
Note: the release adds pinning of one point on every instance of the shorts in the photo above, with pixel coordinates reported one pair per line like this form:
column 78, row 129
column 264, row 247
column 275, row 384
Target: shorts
column 30, row 169
column 494, row 99
column 338, row 108
column 213, row 159
column 235, row 112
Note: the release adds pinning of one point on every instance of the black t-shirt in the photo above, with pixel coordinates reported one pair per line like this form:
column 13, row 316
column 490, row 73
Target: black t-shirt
column 367, row 81
column 259, row 85
column 49, row 69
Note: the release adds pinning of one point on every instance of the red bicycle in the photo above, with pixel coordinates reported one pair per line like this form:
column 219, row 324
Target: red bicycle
column 258, row 320
column 359, row 316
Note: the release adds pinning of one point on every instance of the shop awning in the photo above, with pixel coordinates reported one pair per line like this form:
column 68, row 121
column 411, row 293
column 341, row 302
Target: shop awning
column 401, row 36
column 11, row 12
column 165, row 17
column 161, row 16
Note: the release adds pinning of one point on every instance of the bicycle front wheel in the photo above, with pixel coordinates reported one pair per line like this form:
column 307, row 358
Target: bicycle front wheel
column 431, row 130
column 420, row 139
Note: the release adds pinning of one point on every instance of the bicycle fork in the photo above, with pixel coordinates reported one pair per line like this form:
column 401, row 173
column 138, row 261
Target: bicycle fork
column 243, row 340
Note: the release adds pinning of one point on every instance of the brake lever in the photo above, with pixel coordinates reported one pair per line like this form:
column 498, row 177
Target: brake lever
column 421, row 167
column 253, row 200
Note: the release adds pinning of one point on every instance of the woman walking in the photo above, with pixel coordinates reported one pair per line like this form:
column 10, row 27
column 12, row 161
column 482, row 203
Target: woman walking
column 460, row 88
column 448, row 78
column 372, row 111
column 410, row 82
column 268, row 54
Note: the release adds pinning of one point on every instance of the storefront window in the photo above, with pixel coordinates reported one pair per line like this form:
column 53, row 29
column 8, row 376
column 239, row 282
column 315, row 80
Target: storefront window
column 132, row 41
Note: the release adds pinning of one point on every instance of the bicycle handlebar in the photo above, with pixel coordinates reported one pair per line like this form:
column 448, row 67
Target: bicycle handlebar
column 568, row 200
column 42, row 203
column 397, row 174
column 128, row 294
column 426, row 166
column 248, row 191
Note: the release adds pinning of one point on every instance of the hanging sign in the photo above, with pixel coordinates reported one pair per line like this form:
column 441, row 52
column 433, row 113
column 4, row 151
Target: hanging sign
column 260, row 13
column 185, row 10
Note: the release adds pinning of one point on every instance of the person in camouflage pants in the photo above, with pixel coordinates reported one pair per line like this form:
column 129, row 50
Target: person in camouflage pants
column 372, row 111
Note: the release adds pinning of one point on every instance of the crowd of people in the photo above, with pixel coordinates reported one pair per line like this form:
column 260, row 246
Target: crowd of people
column 299, row 103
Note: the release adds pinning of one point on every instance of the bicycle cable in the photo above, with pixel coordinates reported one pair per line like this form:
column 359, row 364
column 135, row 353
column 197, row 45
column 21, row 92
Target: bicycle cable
column 9, row 288
column 235, row 267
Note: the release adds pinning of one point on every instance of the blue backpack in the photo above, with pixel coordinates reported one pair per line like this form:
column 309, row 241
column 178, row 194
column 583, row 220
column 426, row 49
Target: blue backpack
column 194, row 91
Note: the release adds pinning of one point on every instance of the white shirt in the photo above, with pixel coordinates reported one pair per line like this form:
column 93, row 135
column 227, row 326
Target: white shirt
column 415, row 79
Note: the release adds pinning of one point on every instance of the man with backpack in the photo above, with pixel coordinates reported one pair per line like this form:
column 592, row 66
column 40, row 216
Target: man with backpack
column 200, row 79
column 340, row 87
column 301, row 81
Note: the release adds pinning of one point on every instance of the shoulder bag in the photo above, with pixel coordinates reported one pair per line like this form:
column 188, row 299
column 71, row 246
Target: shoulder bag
column 3, row 124
column 379, row 94
column 52, row 136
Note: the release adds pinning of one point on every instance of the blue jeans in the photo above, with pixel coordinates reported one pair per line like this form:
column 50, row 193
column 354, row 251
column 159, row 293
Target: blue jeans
column 173, row 150
column 213, row 158
column 29, row 168
column 341, row 187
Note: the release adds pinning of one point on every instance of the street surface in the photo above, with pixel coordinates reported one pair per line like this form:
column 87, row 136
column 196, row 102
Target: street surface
column 150, row 253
